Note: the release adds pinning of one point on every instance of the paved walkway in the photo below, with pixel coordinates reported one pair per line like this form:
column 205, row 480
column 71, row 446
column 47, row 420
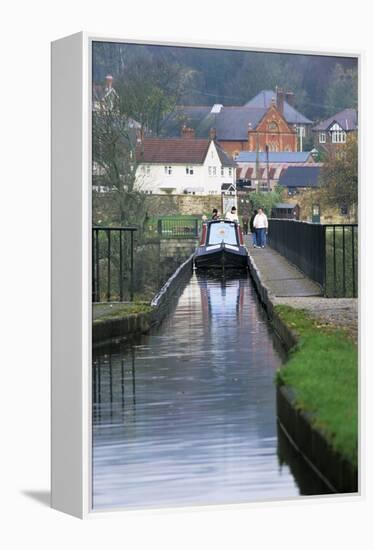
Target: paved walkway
column 291, row 287
column 281, row 277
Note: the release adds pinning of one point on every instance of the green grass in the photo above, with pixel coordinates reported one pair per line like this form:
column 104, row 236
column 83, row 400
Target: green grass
column 108, row 312
column 322, row 370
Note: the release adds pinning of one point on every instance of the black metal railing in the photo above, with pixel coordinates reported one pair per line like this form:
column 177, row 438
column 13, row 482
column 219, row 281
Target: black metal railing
column 177, row 228
column 113, row 264
column 325, row 253
column 341, row 276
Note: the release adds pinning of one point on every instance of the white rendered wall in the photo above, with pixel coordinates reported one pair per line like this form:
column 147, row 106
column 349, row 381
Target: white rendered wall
column 179, row 180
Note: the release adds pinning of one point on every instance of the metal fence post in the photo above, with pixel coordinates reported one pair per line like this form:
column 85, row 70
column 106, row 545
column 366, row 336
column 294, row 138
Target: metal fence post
column 132, row 267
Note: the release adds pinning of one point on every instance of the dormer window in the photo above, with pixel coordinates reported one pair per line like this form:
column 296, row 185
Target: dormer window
column 337, row 134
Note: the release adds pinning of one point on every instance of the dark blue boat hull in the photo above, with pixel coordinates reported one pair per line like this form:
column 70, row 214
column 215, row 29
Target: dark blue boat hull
column 221, row 258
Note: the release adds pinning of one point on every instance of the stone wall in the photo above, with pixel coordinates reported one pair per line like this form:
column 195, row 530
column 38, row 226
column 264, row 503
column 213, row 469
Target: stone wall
column 191, row 205
column 106, row 211
column 177, row 248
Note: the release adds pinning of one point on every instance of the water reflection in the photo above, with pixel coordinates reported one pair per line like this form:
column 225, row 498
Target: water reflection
column 187, row 414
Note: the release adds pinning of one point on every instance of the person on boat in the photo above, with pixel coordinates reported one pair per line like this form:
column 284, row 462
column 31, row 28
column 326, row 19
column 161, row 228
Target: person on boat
column 215, row 215
column 252, row 229
column 260, row 223
column 232, row 216
column 245, row 220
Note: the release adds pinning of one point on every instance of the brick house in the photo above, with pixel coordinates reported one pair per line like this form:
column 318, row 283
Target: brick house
column 331, row 133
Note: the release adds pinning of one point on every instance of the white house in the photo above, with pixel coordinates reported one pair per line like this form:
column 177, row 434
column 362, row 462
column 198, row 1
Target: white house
column 184, row 165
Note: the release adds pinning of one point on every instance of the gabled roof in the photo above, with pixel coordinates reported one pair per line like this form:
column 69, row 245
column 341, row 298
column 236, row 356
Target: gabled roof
column 232, row 123
column 300, row 176
column 264, row 99
column 347, row 119
column 228, row 186
column 100, row 92
column 225, row 159
column 173, row 151
column 274, row 157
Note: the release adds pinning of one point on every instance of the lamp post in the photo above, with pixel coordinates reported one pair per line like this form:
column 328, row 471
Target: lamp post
column 267, row 166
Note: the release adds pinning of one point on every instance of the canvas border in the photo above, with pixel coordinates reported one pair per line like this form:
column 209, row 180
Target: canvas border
column 84, row 507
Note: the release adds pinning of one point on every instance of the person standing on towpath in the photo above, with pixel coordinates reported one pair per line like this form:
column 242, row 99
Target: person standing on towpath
column 245, row 220
column 260, row 223
column 252, row 229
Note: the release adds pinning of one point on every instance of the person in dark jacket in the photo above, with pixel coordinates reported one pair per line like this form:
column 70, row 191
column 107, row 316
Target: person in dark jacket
column 252, row 229
column 245, row 220
column 215, row 215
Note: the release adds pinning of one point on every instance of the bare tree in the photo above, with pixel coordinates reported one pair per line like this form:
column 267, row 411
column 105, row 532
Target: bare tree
column 114, row 142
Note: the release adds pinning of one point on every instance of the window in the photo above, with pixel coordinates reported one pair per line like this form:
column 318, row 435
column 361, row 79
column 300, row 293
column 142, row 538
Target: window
column 168, row 170
column 272, row 127
column 322, row 137
column 214, row 171
column 230, row 172
column 222, row 171
column 300, row 131
column 209, row 170
column 147, row 169
column 337, row 134
column 189, row 170
column 223, row 231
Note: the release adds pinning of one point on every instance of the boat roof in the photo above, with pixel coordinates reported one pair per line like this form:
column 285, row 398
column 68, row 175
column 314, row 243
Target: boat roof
column 220, row 221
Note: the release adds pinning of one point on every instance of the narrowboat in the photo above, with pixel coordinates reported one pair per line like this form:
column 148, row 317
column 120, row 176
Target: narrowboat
column 221, row 246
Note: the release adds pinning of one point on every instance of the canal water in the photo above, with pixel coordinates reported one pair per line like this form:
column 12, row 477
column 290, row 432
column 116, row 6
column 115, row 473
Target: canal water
column 186, row 415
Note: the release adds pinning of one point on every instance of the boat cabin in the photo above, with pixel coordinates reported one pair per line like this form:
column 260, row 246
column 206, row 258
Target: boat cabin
column 221, row 246
column 217, row 231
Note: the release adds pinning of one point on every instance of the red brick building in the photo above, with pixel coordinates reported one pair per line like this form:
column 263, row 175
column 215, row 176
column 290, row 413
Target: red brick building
column 271, row 130
column 267, row 119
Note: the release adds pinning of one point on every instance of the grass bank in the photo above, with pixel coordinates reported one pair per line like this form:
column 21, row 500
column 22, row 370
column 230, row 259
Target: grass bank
column 107, row 312
column 322, row 369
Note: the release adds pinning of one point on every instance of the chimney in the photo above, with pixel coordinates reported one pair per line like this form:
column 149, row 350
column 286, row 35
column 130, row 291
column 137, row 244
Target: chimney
column 290, row 96
column 213, row 134
column 280, row 100
column 188, row 133
column 108, row 81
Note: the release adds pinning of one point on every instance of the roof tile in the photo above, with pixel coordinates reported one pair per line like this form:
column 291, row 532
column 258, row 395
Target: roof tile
column 173, row 151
